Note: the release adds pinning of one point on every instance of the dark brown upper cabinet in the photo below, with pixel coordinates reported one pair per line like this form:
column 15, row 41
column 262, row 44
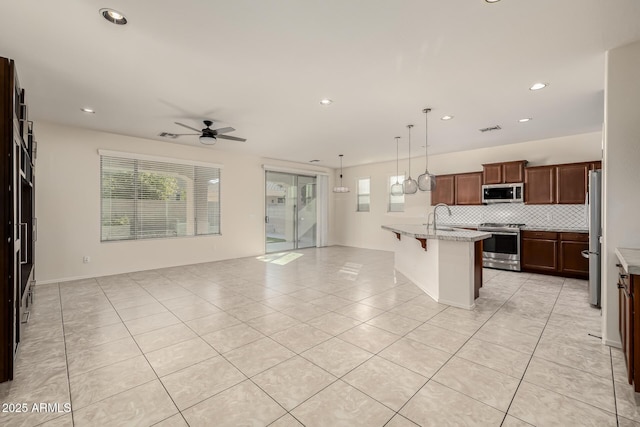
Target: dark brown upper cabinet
column 504, row 172
column 468, row 188
column 558, row 184
column 571, row 182
column 445, row 191
column 540, row 185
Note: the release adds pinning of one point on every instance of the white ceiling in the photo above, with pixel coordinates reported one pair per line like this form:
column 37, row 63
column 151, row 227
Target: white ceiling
column 262, row 66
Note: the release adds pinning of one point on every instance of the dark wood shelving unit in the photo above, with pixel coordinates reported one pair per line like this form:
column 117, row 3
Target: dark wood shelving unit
column 17, row 195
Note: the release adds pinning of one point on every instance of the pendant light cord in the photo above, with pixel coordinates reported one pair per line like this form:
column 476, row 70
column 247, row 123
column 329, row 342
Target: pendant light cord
column 397, row 155
column 409, row 126
column 426, row 139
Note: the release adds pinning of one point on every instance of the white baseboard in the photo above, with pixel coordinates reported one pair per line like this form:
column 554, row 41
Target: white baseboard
column 454, row 304
column 65, row 279
column 612, row 343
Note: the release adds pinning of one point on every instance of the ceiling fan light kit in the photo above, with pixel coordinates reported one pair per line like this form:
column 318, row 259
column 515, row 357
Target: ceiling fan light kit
column 426, row 181
column 341, row 188
column 410, row 186
column 396, row 189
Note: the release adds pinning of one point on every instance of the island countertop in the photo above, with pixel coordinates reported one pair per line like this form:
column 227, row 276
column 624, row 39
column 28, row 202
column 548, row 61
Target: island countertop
column 630, row 259
column 420, row 231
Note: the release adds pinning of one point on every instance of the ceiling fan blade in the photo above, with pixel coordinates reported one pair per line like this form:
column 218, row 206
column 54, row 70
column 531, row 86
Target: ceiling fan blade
column 224, row 130
column 232, row 138
column 183, row 134
column 188, row 127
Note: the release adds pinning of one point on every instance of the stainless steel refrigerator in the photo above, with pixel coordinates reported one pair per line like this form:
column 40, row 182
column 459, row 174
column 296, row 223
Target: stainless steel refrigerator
column 594, row 218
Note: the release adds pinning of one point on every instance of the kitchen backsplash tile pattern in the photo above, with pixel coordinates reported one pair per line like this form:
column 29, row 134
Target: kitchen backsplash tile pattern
column 561, row 216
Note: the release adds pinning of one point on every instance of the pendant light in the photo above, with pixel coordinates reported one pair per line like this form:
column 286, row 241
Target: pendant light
column 341, row 189
column 426, row 181
column 410, row 186
column 396, row 189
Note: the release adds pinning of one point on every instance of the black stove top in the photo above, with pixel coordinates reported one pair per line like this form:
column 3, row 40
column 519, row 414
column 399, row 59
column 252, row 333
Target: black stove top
column 501, row 225
column 506, row 228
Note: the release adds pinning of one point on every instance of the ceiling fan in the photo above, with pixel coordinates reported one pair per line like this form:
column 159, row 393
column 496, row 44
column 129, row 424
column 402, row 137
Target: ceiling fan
column 209, row 136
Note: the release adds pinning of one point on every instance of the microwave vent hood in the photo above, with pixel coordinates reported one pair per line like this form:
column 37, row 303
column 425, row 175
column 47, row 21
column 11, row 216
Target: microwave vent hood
column 503, row 193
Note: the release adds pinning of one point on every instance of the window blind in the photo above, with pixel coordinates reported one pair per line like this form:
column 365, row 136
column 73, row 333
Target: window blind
column 396, row 203
column 147, row 199
column 364, row 194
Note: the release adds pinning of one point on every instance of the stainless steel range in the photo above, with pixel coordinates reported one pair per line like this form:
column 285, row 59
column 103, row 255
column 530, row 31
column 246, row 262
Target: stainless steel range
column 502, row 249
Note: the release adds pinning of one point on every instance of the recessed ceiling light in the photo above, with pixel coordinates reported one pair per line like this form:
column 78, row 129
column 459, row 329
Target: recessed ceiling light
column 113, row 16
column 88, row 110
column 314, row 161
column 526, row 119
column 325, row 101
column 446, row 117
column 492, row 1
column 538, row 86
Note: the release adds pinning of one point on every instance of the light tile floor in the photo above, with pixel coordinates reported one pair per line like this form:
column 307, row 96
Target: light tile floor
column 333, row 337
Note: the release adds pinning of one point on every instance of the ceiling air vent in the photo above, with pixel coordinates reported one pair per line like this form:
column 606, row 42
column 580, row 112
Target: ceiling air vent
column 168, row 135
column 491, row 128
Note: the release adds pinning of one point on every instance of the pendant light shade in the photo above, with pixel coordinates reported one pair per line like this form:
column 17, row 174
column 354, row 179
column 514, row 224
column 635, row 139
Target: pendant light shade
column 410, row 186
column 426, row 181
column 341, row 188
column 396, row 189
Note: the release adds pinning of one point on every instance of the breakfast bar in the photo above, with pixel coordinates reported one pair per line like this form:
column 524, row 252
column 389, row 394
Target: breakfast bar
column 446, row 263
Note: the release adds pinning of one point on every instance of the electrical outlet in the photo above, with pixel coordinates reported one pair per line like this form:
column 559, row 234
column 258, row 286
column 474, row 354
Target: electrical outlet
column 86, row 259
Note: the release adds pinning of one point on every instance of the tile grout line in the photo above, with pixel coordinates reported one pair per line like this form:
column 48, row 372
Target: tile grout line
column 531, row 357
column 143, row 355
column 615, row 400
column 456, row 352
column 66, row 358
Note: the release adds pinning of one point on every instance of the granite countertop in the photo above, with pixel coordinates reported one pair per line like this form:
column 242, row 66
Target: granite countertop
column 527, row 228
column 557, row 229
column 420, row 231
column 630, row 259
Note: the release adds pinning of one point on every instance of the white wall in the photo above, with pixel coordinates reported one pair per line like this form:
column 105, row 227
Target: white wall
column 68, row 206
column 621, row 227
column 362, row 229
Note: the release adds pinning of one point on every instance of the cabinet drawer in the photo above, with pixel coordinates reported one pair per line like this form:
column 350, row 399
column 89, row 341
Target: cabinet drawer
column 623, row 280
column 575, row 237
column 548, row 235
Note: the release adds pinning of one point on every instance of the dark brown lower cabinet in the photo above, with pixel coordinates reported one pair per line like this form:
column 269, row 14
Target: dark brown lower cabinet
column 572, row 263
column 629, row 312
column 559, row 254
column 539, row 251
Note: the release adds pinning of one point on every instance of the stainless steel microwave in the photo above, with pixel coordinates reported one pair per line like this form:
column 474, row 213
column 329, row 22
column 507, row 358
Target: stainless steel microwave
column 503, row 193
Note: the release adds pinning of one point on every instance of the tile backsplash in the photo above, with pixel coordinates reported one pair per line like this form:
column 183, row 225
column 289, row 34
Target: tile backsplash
column 561, row 216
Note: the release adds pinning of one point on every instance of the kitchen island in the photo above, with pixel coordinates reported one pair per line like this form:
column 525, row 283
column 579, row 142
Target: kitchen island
column 446, row 264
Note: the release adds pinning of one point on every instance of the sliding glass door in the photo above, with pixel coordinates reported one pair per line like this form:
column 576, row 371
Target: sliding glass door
column 291, row 211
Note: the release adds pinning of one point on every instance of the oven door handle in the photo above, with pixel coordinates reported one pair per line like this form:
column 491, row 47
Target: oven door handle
column 502, row 233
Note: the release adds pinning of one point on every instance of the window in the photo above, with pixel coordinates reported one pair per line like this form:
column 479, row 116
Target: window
column 396, row 203
column 148, row 199
column 364, row 194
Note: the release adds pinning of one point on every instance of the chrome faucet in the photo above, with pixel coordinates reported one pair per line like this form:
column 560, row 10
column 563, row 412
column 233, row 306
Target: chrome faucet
column 435, row 226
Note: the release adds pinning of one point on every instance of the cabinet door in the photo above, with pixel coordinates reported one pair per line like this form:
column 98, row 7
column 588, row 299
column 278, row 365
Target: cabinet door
column 492, row 174
column 539, row 255
column 513, row 172
column 468, row 188
column 571, row 260
column 539, row 185
column 572, row 183
column 628, row 336
column 444, row 191
column 595, row 165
